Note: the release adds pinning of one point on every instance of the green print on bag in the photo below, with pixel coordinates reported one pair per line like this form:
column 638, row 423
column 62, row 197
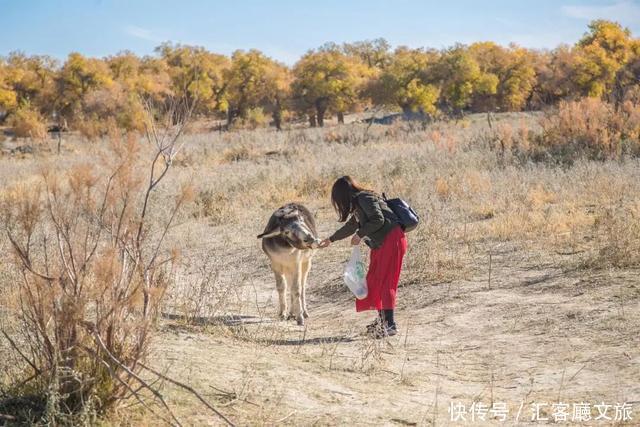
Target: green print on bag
column 360, row 270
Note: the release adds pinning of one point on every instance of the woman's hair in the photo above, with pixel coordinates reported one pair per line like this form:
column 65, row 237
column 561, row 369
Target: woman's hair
column 342, row 196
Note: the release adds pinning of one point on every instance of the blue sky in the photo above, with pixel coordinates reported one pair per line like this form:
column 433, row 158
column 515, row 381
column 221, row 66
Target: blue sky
column 285, row 29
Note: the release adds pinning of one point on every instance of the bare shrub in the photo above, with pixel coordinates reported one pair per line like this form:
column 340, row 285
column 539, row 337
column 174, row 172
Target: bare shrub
column 94, row 270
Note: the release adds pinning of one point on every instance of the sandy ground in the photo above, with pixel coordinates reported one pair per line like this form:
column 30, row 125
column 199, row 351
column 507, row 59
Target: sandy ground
column 496, row 305
column 535, row 333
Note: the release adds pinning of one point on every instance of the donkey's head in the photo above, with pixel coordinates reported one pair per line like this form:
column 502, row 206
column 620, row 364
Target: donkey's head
column 293, row 225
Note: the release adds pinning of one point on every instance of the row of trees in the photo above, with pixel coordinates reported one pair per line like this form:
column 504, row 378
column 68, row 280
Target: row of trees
column 249, row 87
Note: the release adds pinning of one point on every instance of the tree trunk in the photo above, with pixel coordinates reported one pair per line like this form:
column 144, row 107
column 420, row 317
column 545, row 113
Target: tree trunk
column 277, row 115
column 618, row 95
column 233, row 114
column 277, row 119
column 230, row 118
column 321, row 108
column 341, row 117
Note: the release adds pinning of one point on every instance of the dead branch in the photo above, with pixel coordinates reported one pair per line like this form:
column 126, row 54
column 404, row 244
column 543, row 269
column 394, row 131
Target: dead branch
column 132, row 374
column 17, row 349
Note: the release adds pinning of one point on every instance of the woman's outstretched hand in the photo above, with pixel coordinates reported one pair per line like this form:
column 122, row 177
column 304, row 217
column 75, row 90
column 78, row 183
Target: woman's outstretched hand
column 324, row 243
column 355, row 240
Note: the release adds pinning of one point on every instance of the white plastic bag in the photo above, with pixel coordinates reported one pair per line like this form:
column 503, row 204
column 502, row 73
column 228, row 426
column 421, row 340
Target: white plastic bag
column 355, row 274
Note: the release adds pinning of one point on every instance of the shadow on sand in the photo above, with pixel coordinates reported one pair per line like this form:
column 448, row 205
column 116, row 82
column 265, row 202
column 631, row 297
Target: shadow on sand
column 238, row 320
column 307, row 341
column 226, row 320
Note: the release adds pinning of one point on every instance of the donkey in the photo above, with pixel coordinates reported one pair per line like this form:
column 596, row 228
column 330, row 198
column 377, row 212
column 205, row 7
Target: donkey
column 290, row 240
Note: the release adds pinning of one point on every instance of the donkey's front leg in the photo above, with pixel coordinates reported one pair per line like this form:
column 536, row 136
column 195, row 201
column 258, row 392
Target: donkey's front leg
column 306, row 266
column 281, row 286
column 296, row 295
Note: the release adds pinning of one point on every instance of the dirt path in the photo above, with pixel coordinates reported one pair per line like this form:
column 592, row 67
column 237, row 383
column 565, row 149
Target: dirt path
column 538, row 335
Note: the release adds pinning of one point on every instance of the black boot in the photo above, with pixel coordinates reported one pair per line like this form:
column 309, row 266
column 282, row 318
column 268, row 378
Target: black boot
column 389, row 323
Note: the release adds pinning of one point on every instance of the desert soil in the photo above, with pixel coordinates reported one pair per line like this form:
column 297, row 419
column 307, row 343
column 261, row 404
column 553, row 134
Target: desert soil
column 520, row 287
column 531, row 333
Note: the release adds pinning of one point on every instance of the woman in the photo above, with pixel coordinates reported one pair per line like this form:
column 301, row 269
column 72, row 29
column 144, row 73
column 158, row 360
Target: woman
column 369, row 217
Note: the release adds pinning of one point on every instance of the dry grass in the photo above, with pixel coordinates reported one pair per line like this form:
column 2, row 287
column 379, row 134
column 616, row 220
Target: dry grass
column 508, row 262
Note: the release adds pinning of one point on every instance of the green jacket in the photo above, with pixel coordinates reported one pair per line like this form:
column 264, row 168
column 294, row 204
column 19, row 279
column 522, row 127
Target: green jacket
column 371, row 220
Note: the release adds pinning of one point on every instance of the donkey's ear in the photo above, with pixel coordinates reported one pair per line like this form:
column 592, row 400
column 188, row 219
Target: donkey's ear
column 268, row 234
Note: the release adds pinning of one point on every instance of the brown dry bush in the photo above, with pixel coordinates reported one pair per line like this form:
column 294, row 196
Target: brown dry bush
column 592, row 128
column 93, row 272
column 588, row 128
column 84, row 280
column 93, row 128
column 28, row 123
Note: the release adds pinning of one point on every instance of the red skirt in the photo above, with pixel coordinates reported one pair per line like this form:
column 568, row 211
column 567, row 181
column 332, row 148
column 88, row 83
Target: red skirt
column 383, row 276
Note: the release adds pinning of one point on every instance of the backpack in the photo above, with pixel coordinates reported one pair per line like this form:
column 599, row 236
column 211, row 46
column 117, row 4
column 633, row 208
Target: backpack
column 407, row 217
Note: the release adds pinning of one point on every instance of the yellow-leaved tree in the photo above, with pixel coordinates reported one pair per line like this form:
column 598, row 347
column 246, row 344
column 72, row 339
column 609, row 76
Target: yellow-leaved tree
column 8, row 97
column 78, row 77
column 135, row 81
column 327, row 80
column 27, row 92
column 462, row 78
column 404, row 82
column 197, row 74
column 515, row 72
column 556, row 76
column 373, row 53
column 257, row 83
column 599, row 56
column 32, row 78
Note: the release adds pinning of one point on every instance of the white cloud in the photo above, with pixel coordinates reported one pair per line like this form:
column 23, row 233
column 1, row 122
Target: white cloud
column 624, row 12
column 141, row 33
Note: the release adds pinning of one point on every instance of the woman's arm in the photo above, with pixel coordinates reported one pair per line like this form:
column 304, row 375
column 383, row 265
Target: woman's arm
column 346, row 230
column 375, row 219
